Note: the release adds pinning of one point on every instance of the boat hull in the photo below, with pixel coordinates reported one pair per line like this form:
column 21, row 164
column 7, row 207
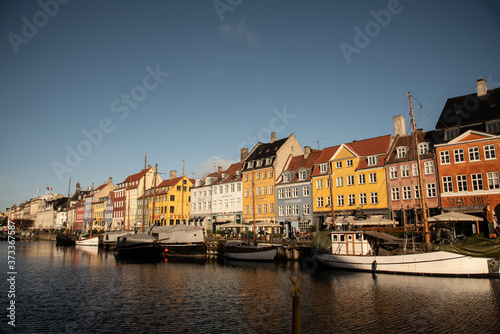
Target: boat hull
column 430, row 264
column 250, row 253
column 94, row 242
column 184, row 250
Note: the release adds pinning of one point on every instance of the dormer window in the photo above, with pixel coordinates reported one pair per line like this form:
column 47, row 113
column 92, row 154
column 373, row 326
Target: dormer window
column 450, row 133
column 372, row 161
column 258, row 163
column 323, row 168
column 287, row 177
column 493, row 126
column 423, row 148
column 401, row 152
column 302, row 175
column 250, row 164
column 268, row 161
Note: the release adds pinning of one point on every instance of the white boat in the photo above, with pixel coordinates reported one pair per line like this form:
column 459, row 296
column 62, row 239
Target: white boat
column 93, row 241
column 239, row 250
column 359, row 250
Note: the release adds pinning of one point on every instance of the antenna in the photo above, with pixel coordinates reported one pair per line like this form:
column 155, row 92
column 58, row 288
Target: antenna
column 215, row 162
column 317, row 141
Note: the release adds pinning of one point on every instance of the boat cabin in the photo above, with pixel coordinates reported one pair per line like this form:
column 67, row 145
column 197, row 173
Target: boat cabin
column 362, row 242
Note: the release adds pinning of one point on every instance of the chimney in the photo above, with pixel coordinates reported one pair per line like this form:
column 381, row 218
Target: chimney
column 244, row 154
column 399, row 125
column 219, row 169
column 149, row 166
column 307, row 151
column 482, row 88
column 273, row 137
column 173, row 174
column 110, row 180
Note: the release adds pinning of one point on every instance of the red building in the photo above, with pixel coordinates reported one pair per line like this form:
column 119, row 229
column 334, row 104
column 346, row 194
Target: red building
column 79, row 215
column 469, row 174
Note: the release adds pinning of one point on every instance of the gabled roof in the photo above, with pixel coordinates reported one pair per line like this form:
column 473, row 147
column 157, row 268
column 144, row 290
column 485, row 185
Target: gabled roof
column 470, row 109
column 265, row 150
column 469, row 136
column 324, row 157
column 232, row 173
column 299, row 162
column 137, row 176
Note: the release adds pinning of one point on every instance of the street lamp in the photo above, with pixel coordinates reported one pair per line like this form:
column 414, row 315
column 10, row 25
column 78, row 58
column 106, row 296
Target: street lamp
column 459, row 201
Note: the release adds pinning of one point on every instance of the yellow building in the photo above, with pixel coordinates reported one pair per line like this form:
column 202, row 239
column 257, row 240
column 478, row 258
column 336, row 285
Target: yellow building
column 261, row 168
column 359, row 177
column 98, row 214
column 172, row 202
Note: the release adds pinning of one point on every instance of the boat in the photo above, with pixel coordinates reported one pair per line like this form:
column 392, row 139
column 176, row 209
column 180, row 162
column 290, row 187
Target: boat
column 250, row 251
column 378, row 252
column 110, row 237
column 87, row 241
column 180, row 240
column 240, row 250
column 143, row 246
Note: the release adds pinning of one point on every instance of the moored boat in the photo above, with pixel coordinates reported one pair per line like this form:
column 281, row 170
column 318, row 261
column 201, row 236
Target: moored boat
column 87, row 241
column 110, row 238
column 361, row 250
column 180, row 240
column 140, row 246
column 65, row 239
column 240, row 250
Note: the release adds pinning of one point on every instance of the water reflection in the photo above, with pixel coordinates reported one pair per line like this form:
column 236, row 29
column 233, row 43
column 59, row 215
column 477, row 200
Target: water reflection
column 77, row 289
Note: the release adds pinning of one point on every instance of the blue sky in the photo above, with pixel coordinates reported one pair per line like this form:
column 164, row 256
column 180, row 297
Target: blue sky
column 190, row 80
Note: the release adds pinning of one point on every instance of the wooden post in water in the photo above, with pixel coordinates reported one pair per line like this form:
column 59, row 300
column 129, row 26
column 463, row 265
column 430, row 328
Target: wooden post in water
column 296, row 305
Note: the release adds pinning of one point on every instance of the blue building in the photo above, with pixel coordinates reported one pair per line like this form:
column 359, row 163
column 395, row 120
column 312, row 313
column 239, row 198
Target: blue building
column 294, row 193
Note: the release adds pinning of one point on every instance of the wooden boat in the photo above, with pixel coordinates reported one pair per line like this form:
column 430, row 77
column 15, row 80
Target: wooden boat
column 110, row 237
column 64, row 239
column 87, row 241
column 180, row 240
column 139, row 246
column 240, row 250
column 360, row 250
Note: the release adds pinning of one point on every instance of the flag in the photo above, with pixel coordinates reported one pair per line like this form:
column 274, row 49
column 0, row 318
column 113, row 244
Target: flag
column 49, row 188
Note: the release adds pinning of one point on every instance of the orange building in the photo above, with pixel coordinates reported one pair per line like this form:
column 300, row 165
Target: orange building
column 469, row 174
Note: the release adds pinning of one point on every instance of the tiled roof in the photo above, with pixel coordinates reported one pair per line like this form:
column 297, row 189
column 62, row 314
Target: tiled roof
column 407, row 141
column 231, row 172
column 371, row 146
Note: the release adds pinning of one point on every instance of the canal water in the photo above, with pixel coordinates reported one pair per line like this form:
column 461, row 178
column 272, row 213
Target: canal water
column 82, row 290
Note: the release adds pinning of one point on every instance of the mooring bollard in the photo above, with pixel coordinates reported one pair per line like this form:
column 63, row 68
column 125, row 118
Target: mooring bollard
column 296, row 305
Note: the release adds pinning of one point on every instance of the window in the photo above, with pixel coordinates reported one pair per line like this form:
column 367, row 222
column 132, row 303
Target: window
column 259, row 208
column 372, row 161
column 264, row 174
column 444, row 157
column 281, row 193
column 493, row 126
column 477, row 181
column 400, row 152
column 431, row 190
column 268, row 162
column 238, row 187
column 257, row 176
column 361, row 179
column 288, row 193
column 172, row 209
column 423, row 148
column 374, row 198
column 271, row 173
column 288, row 210
column 295, row 210
column 320, row 202
column 459, row 155
column 395, row 194
column 287, row 177
column 264, row 190
column 302, row 175
column 449, row 134
column 172, row 197
column 407, row 192
column 257, row 191
column 352, row 199
column 462, row 183
column 323, row 168
column 327, row 181
column 246, row 192
column 350, row 163
column 306, row 209
column 393, row 172
column 281, row 210
column 405, row 171
column 350, row 180
column 246, row 209
column 328, row 201
column 489, row 152
column 414, row 168
column 295, row 192
column 271, row 189
column 340, row 200
column 319, row 184
column 493, row 180
column 362, row 199
column 305, row 191
column 373, row 177
column 264, row 208
column 338, row 164
column 474, row 153
column 417, row 192
column 271, row 207
column 340, row 181
column 447, row 184
column 429, row 167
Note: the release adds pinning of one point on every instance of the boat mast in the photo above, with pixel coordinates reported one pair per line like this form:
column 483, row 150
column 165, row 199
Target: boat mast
column 92, row 209
column 144, row 193
column 331, row 190
column 420, row 180
column 154, row 196
column 182, row 194
column 253, row 204
column 67, row 203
